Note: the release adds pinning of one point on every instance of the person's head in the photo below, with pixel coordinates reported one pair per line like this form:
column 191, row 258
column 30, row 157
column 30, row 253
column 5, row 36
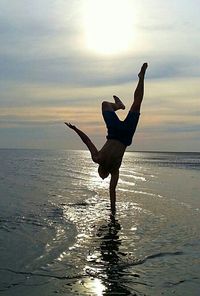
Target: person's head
column 102, row 172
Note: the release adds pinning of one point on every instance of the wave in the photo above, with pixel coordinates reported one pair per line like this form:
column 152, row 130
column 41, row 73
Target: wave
column 163, row 159
column 153, row 256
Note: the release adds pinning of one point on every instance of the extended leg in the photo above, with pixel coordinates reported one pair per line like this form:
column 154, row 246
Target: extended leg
column 139, row 92
column 86, row 140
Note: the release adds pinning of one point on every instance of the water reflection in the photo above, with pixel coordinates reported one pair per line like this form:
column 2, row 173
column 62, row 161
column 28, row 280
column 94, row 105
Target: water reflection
column 109, row 270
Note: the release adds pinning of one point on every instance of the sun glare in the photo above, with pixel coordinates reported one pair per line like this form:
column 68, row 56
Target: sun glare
column 108, row 26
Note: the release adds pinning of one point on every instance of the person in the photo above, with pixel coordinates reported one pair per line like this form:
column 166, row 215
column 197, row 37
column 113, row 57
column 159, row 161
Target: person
column 120, row 135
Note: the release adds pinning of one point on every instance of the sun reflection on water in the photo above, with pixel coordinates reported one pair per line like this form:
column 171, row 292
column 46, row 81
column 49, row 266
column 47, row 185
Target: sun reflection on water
column 95, row 286
column 104, row 267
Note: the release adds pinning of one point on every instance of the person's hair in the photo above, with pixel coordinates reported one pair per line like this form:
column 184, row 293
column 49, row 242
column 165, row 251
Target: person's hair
column 103, row 173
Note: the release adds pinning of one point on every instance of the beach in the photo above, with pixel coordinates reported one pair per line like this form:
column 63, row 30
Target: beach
column 57, row 235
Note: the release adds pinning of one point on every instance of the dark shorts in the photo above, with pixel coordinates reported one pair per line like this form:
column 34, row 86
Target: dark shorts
column 122, row 131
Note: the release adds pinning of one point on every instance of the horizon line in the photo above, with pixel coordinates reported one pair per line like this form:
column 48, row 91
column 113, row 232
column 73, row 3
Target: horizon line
column 131, row 151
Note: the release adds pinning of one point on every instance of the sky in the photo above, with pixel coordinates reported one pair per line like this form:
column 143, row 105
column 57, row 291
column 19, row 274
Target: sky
column 60, row 59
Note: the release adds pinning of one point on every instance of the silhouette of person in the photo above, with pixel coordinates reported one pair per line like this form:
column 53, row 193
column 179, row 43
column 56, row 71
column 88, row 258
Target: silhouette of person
column 120, row 135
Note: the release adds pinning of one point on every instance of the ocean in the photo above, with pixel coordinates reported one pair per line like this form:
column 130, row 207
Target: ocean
column 57, row 236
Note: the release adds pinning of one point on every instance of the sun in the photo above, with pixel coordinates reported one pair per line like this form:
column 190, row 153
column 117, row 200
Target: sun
column 108, row 25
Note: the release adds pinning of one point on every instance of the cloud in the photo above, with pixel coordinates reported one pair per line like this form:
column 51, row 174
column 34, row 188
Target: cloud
column 166, row 101
column 83, row 70
column 49, row 116
column 48, row 76
column 43, row 42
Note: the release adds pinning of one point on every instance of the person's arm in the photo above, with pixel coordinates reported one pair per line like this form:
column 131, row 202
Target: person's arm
column 86, row 140
column 112, row 189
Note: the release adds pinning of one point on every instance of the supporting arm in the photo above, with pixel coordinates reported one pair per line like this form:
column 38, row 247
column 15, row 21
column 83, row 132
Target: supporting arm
column 113, row 184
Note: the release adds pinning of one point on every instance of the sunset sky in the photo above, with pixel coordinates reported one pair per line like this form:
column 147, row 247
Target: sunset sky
column 59, row 59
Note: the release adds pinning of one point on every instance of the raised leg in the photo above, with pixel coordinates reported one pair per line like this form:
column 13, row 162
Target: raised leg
column 108, row 106
column 139, row 91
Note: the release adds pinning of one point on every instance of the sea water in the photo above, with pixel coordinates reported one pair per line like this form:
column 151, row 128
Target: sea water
column 57, row 235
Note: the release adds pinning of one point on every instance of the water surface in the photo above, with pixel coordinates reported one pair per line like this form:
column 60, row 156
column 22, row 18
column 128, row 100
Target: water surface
column 57, row 236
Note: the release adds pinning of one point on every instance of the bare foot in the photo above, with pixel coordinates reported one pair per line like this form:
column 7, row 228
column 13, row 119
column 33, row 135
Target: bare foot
column 143, row 70
column 119, row 102
column 70, row 125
